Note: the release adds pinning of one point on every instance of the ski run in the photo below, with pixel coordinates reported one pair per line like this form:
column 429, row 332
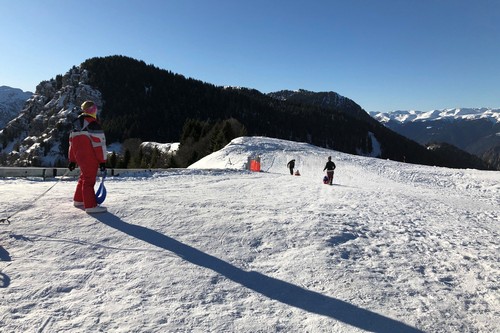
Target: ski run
column 390, row 247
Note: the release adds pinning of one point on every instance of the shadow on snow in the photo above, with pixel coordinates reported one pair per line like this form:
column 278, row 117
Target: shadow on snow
column 276, row 289
column 4, row 279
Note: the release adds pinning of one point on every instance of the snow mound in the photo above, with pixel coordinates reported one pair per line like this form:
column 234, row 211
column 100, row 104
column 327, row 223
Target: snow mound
column 274, row 155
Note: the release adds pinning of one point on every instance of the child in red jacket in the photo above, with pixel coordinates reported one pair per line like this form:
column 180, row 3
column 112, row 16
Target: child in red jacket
column 87, row 148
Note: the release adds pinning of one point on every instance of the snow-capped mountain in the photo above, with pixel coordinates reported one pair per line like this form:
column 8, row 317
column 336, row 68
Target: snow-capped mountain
column 403, row 116
column 475, row 130
column 12, row 101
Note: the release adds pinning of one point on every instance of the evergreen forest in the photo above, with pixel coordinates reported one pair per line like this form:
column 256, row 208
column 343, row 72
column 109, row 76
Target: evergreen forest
column 145, row 103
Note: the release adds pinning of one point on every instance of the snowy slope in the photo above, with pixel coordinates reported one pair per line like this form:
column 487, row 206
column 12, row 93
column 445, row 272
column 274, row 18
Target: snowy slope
column 390, row 247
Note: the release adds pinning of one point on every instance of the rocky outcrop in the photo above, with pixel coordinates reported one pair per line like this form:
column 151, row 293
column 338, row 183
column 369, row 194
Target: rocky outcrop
column 39, row 135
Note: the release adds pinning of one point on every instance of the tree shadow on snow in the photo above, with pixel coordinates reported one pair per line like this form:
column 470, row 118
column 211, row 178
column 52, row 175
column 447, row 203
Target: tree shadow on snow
column 276, row 289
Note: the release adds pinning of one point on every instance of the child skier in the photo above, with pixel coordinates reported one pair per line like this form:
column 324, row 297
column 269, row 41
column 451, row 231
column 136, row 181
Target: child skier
column 87, row 148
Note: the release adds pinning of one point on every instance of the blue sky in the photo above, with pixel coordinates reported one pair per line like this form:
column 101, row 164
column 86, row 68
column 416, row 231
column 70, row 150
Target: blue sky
column 384, row 54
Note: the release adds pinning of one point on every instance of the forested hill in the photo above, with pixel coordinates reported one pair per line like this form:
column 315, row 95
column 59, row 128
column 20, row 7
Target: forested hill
column 327, row 100
column 143, row 101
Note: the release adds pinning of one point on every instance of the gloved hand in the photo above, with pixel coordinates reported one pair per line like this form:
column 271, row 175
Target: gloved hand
column 102, row 167
column 71, row 166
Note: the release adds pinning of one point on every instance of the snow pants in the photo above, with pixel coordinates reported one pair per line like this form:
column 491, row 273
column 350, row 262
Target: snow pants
column 88, row 172
column 330, row 176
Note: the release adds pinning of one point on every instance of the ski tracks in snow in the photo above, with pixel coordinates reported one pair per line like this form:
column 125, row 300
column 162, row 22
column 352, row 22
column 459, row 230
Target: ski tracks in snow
column 180, row 250
column 449, row 244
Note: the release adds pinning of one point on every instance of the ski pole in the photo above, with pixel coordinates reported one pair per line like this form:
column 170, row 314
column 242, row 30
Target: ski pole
column 5, row 221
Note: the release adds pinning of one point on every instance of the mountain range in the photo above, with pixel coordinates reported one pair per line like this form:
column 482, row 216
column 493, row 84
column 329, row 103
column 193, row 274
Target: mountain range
column 145, row 103
column 12, row 101
column 474, row 130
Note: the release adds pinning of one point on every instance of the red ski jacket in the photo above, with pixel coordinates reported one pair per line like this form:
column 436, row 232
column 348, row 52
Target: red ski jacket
column 87, row 144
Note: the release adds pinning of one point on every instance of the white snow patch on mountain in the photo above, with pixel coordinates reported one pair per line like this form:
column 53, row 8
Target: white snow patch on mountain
column 403, row 116
column 162, row 147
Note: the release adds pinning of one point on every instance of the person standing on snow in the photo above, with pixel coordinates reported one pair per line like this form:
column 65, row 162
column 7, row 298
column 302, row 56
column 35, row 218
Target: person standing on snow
column 291, row 165
column 87, row 148
column 329, row 167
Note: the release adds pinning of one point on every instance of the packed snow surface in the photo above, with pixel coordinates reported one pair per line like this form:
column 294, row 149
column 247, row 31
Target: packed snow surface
column 390, row 247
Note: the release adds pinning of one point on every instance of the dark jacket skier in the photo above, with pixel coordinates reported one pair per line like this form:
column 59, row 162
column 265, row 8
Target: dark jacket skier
column 329, row 167
column 291, row 165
